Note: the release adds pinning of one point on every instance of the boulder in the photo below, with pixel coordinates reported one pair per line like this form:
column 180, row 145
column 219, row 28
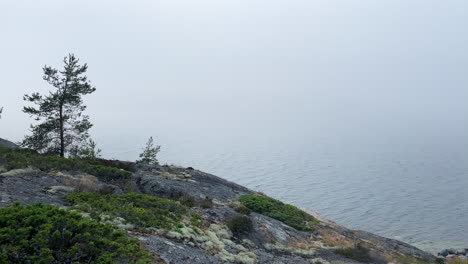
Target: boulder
column 443, row 253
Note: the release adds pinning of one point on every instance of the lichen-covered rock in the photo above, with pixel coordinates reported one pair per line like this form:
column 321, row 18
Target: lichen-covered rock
column 18, row 172
column 29, row 187
column 173, row 252
column 165, row 181
column 60, row 189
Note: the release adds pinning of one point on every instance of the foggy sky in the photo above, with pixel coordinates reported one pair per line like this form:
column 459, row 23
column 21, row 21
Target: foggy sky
column 214, row 71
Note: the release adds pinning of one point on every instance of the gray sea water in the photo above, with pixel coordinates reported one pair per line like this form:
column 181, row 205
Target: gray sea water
column 416, row 193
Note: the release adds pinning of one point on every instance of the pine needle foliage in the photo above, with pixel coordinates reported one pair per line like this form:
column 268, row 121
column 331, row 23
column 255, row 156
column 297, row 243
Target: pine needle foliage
column 43, row 234
column 60, row 112
column 148, row 156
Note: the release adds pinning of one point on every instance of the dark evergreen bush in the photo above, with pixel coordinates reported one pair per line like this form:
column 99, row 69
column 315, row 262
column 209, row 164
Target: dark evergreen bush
column 45, row 234
column 240, row 225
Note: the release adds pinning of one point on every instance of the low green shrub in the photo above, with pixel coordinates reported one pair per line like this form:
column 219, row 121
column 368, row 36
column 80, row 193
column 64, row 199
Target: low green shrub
column 240, row 225
column 242, row 210
column 359, row 253
column 124, row 165
column 141, row 210
column 285, row 213
column 46, row 234
column 205, row 203
column 187, row 201
column 21, row 158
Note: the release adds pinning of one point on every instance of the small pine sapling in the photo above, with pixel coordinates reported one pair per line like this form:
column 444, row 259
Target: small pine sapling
column 148, row 156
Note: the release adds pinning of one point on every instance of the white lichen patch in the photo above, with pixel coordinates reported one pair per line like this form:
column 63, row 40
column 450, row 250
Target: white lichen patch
column 174, row 235
column 220, row 231
column 248, row 242
column 116, row 221
column 290, row 249
column 243, row 257
column 60, row 189
column 215, row 240
column 319, row 261
column 17, row 172
column 176, row 176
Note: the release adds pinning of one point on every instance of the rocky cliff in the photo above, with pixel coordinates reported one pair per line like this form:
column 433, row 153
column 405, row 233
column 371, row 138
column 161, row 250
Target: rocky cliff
column 217, row 236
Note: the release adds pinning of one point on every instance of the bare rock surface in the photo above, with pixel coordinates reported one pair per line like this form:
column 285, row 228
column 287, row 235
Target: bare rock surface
column 164, row 181
column 173, row 252
column 28, row 187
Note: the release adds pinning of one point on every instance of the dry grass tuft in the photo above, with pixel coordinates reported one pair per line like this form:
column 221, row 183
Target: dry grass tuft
column 333, row 239
column 82, row 183
column 300, row 245
column 458, row 260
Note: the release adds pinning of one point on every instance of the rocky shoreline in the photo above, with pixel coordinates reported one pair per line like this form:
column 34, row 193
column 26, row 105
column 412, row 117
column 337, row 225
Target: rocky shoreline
column 268, row 241
column 450, row 254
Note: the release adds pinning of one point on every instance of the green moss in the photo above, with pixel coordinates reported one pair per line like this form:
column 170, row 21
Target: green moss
column 46, row 234
column 141, row 210
column 285, row 213
column 21, row 158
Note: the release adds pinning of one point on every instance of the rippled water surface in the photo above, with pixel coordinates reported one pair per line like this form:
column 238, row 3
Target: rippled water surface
column 418, row 195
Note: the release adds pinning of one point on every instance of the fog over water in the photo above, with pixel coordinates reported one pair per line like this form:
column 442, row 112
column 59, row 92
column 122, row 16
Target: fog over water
column 354, row 109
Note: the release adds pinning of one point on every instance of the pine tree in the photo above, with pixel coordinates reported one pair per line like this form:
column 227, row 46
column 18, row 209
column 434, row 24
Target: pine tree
column 148, row 156
column 88, row 150
column 63, row 126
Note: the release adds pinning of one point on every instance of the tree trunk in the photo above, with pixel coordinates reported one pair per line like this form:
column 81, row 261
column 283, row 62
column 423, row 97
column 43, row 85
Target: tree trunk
column 62, row 139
